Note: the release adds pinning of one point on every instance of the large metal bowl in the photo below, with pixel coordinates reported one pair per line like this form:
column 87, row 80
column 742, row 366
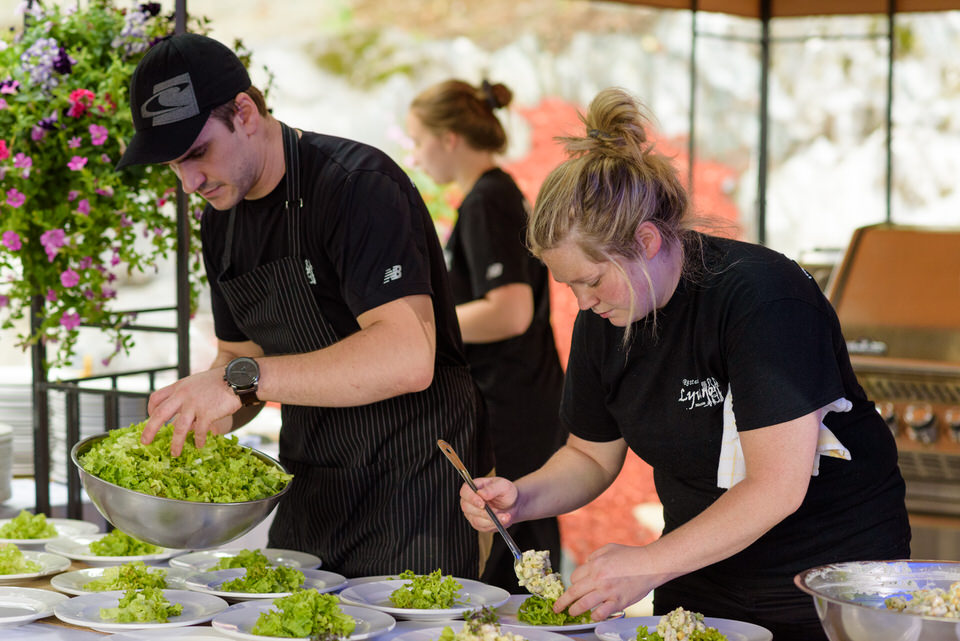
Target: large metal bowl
column 172, row 523
column 849, row 599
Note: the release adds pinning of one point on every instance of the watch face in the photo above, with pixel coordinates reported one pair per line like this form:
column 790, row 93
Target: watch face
column 243, row 373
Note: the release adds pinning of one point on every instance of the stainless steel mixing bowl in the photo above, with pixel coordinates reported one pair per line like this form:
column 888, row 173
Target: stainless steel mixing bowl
column 849, row 599
column 172, row 523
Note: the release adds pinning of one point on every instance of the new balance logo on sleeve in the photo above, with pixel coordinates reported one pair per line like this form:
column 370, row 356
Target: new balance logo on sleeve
column 392, row 273
column 494, row 270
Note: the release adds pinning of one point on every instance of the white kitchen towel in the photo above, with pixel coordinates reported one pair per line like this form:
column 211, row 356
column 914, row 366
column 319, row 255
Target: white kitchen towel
column 731, row 468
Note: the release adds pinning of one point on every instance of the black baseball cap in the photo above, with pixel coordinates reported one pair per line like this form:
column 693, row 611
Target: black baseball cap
column 172, row 92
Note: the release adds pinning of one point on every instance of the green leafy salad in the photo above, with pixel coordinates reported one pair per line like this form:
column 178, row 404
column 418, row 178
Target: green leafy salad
column 263, row 579
column 426, row 591
column 119, row 543
column 135, row 575
column 680, row 625
column 306, row 613
column 537, row 610
column 28, row 526
column 242, row 559
column 481, row 625
column 148, row 605
column 220, row 472
column 12, row 561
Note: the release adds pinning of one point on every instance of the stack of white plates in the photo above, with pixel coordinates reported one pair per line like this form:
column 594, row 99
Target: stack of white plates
column 92, row 421
column 16, row 410
column 6, row 461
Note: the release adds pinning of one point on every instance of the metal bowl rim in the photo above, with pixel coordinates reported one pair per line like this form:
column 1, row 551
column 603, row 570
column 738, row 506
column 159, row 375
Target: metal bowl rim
column 800, row 581
column 88, row 441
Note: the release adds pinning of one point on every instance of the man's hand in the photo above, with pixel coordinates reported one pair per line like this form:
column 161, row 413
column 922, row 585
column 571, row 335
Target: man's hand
column 199, row 403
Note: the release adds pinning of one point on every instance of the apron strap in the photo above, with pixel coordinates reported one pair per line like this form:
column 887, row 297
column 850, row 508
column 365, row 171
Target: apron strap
column 293, row 203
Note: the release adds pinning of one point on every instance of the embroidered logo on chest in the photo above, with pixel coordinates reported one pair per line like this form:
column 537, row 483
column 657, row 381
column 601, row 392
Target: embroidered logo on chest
column 700, row 393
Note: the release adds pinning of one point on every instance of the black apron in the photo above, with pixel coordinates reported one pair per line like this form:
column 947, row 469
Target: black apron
column 372, row 493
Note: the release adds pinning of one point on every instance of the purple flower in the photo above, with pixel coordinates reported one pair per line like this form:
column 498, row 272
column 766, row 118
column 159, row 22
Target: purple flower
column 51, row 296
column 4, row 301
column 3, row 104
column 105, row 159
column 105, row 191
column 77, row 162
column 37, row 134
column 74, row 142
column 85, row 263
column 69, row 278
column 115, row 259
column 98, row 134
column 22, row 161
column 49, row 123
column 107, row 292
column 70, row 321
column 52, row 241
column 12, row 240
column 15, row 198
column 63, row 63
column 72, row 195
column 9, row 86
column 88, row 294
column 84, row 206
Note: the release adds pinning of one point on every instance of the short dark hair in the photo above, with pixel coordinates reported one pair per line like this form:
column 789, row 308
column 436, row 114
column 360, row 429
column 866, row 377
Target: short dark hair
column 225, row 112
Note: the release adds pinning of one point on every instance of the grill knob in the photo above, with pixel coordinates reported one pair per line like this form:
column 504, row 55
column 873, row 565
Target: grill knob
column 952, row 418
column 889, row 415
column 922, row 422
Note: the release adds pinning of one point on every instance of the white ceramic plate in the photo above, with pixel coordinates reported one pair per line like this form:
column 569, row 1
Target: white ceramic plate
column 508, row 616
column 192, row 633
column 49, row 564
column 376, row 594
column 238, row 621
column 74, row 582
column 626, row 629
column 65, row 527
column 205, row 559
column 22, row 605
column 368, row 579
column 210, row 582
column 433, row 634
column 78, row 548
column 85, row 610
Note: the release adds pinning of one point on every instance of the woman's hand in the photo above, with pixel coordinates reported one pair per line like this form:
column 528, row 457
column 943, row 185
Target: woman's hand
column 613, row 578
column 499, row 493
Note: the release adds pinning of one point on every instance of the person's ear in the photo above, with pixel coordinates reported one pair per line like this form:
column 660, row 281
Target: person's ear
column 247, row 118
column 450, row 140
column 649, row 239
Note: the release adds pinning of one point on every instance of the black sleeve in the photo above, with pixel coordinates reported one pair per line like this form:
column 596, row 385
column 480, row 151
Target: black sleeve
column 377, row 243
column 212, row 236
column 582, row 406
column 492, row 233
column 781, row 364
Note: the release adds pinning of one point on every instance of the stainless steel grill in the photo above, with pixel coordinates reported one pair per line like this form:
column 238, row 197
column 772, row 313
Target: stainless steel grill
column 897, row 294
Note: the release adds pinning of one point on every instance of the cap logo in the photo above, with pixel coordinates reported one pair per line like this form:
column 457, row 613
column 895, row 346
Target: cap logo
column 173, row 100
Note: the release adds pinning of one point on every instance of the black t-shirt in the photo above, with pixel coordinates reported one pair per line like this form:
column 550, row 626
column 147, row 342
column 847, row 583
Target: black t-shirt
column 365, row 231
column 756, row 324
column 520, row 377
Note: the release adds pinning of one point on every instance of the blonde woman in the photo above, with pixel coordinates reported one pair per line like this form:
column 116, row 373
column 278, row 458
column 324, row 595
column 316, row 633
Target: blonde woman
column 500, row 291
column 722, row 365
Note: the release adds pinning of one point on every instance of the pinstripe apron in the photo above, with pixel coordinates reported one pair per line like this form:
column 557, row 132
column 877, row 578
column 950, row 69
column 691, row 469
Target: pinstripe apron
column 371, row 493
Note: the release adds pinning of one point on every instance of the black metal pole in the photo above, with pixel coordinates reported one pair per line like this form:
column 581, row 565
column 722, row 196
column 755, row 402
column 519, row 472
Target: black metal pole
column 891, row 52
column 692, row 143
column 74, row 499
column 183, row 246
column 764, row 115
column 41, row 415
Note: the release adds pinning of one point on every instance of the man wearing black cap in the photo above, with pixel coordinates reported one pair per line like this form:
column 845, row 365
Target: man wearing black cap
column 329, row 296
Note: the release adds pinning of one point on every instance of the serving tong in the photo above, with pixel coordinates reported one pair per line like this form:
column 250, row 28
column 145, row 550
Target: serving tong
column 514, row 548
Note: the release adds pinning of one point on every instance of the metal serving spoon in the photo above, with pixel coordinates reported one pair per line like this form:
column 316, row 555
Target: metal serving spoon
column 514, row 548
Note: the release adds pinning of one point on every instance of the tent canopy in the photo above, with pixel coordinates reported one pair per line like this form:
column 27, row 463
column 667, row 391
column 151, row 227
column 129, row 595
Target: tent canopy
column 793, row 8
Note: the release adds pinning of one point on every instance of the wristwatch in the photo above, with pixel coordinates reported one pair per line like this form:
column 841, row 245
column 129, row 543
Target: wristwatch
column 243, row 376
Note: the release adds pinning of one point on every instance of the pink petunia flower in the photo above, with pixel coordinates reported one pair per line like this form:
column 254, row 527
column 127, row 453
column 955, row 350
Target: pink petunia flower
column 85, row 263
column 22, row 161
column 84, row 206
column 15, row 198
column 72, row 195
column 80, row 101
column 3, row 104
column 77, row 163
column 105, row 159
column 51, row 295
column 52, row 241
column 74, row 142
column 70, row 321
column 4, row 300
column 37, row 133
column 105, row 191
column 12, row 240
column 4, row 150
column 98, row 134
column 9, row 86
column 69, row 278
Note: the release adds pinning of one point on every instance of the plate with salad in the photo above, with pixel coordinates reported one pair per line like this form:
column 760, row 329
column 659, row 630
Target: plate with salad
column 150, row 608
column 33, row 531
column 23, row 605
column 456, row 628
column 114, row 548
column 728, row 629
column 262, row 582
column 425, row 597
column 17, row 564
column 135, row 574
column 228, row 558
column 302, row 615
column 528, row 611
